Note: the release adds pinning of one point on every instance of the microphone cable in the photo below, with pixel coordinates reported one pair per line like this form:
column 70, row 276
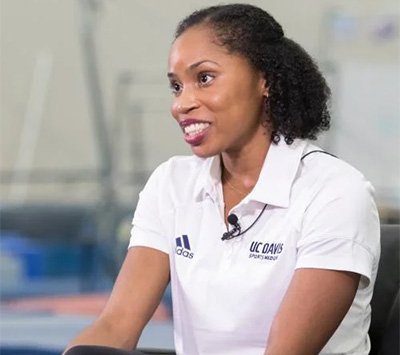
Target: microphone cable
column 233, row 219
column 236, row 226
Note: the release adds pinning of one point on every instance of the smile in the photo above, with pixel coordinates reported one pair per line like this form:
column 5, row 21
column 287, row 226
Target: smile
column 195, row 128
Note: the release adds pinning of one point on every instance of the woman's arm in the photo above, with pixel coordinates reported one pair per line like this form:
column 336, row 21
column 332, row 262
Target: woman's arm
column 339, row 231
column 313, row 307
column 136, row 294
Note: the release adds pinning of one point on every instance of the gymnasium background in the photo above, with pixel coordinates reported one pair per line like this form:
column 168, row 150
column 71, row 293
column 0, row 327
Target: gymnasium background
column 85, row 119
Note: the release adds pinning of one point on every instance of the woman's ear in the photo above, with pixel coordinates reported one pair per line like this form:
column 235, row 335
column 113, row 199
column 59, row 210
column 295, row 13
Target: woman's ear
column 265, row 88
column 266, row 91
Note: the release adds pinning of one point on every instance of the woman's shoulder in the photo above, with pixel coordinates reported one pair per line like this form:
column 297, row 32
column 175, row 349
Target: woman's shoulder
column 328, row 178
column 328, row 167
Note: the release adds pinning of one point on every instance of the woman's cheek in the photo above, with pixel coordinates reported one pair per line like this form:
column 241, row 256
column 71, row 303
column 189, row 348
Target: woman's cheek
column 219, row 101
column 174, row 110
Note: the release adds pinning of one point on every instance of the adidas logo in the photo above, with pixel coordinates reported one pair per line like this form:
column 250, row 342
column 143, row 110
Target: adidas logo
column 184, row 250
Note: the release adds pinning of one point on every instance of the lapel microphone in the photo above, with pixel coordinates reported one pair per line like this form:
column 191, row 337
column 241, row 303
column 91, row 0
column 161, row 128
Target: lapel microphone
column 232, row 220
column 237, row 230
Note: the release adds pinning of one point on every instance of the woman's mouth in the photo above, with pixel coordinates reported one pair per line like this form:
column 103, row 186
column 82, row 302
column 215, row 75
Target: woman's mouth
column 195, row 132
column 195, row 128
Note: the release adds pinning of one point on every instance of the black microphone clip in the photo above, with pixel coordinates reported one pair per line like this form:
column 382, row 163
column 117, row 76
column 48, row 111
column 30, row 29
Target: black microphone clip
column 235, row 232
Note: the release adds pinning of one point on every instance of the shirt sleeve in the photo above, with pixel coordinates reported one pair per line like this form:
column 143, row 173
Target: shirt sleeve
column 147, row 228
column 341, row 229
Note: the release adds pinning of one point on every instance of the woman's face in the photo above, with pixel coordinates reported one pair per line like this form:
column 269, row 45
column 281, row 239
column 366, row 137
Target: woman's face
column 218, row 97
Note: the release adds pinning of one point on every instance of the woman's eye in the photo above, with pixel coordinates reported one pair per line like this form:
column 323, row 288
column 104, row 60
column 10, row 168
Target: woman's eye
column 175, row 87
column 205, row 78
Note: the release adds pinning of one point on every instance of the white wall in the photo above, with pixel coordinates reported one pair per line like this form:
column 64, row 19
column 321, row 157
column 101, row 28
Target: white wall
column 135, row 36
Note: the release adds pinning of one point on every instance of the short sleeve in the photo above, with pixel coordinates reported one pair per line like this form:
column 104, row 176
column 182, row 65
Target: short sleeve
column 341, row 229
column 147, row 229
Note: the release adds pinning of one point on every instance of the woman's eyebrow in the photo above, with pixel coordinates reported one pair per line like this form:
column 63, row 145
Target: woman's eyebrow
column 194, row 66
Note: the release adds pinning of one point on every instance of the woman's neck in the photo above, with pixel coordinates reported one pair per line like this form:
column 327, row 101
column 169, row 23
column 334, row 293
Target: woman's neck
column 242, row 168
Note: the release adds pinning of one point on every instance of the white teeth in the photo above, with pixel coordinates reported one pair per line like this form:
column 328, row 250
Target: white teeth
column 195, row 128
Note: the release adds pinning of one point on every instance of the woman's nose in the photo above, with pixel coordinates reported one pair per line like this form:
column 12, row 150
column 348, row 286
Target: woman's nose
column 186, row 102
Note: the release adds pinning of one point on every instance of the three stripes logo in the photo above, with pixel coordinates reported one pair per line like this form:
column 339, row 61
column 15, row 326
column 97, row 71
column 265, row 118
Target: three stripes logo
column 184, row 250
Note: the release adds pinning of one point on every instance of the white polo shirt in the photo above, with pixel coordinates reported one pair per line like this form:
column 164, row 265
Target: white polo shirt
column 320, row 214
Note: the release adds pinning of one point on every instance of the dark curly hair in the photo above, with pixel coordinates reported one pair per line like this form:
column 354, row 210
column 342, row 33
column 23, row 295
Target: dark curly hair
column 297, row 104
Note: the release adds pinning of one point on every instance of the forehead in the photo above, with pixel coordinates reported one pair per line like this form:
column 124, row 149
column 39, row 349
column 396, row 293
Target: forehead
column 195, row 44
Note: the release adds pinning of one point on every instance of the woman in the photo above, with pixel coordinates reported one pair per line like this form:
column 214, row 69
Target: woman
column 270, row 244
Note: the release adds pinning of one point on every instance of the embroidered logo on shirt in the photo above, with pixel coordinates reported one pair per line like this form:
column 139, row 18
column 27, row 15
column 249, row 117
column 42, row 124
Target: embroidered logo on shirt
column 265, row 251
column 184, row 250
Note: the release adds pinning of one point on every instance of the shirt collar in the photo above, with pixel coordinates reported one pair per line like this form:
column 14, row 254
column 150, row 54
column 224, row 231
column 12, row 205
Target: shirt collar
column 276, row 177
column 279, row 170
column 209, row 177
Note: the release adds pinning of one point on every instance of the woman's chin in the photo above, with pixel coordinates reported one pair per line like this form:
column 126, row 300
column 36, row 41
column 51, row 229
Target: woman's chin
column 202, row 152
